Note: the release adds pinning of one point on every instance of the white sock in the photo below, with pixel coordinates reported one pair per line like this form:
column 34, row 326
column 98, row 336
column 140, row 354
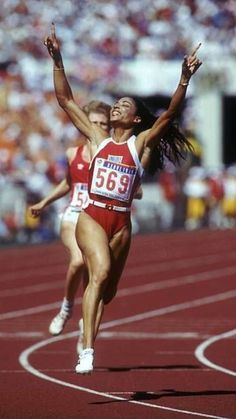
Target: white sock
column 66, row 306
column 85, row 352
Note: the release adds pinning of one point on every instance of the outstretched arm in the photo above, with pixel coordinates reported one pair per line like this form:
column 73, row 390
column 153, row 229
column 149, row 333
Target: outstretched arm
column 189, row 66
column 58, row 192
column 63, row 91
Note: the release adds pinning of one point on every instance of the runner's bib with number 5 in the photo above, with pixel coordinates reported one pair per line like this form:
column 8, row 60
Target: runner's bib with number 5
column 113, row 180
column 79, row 196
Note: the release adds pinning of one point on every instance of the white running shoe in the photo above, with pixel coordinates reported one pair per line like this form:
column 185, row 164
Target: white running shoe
column 85, row 363
column 57, row 324
column 80, row 342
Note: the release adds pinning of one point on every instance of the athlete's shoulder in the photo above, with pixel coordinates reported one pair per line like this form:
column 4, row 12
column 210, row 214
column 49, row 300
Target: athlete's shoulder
column 71, row 151
column 132, row 139
column 104, row 142
column 106, row 139
column 140, row 141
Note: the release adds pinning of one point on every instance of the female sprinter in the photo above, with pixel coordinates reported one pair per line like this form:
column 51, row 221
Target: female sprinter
column 138, row 142
column 76, row 184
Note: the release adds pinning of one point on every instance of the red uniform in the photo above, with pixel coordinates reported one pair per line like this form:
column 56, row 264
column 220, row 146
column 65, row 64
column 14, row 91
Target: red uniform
column 78, row 172
column 114, row 175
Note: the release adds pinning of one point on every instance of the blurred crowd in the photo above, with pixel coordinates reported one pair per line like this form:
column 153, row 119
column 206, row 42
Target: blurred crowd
column 120, row 29
column 193, row 199
column 97, row 36
column 177, row 198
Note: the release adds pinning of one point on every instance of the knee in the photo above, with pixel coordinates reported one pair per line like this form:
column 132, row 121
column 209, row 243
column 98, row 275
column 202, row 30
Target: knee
column 76, row 263
column 99, row 276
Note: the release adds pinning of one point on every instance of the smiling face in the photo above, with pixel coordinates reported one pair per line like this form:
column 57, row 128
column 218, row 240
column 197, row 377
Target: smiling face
column 123, row 113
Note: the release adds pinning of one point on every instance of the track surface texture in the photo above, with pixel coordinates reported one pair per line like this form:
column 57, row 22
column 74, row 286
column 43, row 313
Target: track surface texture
column 166, row 346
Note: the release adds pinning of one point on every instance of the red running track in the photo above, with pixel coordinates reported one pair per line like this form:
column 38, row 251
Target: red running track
column 167, row 344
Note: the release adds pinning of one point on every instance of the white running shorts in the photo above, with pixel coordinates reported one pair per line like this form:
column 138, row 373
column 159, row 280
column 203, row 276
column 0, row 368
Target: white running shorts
column 70, row 214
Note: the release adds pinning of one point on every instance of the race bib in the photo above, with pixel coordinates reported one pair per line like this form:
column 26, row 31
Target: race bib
column 80, row 195
column 113, row 180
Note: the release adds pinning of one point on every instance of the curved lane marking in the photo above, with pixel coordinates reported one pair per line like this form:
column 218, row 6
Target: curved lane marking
column 199, row 352
column 23, row 358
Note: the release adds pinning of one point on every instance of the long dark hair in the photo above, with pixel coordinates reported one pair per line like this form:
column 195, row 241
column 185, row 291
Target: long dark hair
column 173, row 145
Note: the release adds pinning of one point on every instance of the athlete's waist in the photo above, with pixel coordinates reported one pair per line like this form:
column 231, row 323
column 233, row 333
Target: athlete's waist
column 73, row 208
column 110, row 207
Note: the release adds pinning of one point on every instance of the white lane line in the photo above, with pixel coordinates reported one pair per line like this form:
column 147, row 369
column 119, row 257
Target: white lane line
column 23, row 359
column 68, row 370
column 18, row 335
column 179, row 281
column 29, row 311
column 12, row 371
column 55, row 269
column 141, row 335
column 173, row 308
column 30, row 289
column 164, row 266
column 148, row 268
column 11, row 292
column 200, row 352
column 24, row 356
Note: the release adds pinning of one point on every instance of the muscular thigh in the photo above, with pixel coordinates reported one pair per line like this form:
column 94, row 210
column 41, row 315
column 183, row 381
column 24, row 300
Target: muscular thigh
column 120, row 244
column 93, row 242
column 68, row 238
column 119, row 248
column 99, row 252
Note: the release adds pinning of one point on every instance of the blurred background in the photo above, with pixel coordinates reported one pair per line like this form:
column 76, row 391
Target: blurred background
column 114, row 48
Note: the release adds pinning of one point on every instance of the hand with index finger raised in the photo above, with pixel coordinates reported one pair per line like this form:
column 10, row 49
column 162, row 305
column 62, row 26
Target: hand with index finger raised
column 52, row 43
column 195, row 49
column 191, row 63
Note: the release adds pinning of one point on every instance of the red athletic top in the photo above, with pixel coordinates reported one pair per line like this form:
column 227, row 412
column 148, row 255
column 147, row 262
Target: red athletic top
column 78, row 172
column 115, row 173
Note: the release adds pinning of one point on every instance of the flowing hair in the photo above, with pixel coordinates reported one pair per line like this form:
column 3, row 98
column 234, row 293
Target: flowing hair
column 173, row 144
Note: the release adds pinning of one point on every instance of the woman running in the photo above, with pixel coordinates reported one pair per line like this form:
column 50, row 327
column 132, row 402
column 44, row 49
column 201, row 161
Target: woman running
column 139, row 141
column 76, row 184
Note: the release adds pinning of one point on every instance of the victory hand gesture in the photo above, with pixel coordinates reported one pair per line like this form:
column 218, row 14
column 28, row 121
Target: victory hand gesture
column 52, row 44
column 191, row 64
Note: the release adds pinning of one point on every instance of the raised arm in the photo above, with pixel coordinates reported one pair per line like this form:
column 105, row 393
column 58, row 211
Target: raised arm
column 63, row 90
column 189, row 66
